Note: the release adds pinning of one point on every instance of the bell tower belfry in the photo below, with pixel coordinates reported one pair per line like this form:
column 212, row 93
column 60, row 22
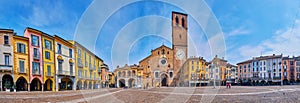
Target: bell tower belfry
column 179, row 39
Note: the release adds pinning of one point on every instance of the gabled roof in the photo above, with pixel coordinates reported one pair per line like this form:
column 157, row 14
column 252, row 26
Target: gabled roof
column 6, row 30
column 161, row 47
column 155, row 50
column 247, row 61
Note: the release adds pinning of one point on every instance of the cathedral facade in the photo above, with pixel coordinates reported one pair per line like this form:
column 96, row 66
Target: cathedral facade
column 162, row 67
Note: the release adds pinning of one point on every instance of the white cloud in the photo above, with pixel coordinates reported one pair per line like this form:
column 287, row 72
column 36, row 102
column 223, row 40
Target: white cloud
column 284, row 41
column 238, row 31
column 46, row 13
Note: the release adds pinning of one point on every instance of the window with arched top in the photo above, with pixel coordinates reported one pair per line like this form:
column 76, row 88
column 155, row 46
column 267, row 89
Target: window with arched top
column 129, row 73
column 176, row 20
column 182, row 22
column 119, row 74
column 133, row 73
column 123, row 74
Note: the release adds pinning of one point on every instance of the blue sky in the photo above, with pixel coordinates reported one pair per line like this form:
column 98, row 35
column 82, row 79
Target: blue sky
column 250, row 28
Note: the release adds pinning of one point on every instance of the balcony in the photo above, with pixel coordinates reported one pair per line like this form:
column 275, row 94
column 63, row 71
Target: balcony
column 276, row 78
column 6, row 67
column 36, row 56
column 92, row 67
column 99, row 70
column 66, row 73
column 36, row 72
column 255, row 78
column 23, row 71
column 79, row 63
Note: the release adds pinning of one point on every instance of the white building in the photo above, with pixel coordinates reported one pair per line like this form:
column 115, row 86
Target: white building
column 6, row 59
column 64, row 64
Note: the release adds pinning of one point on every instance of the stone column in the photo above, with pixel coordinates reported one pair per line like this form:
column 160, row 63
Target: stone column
column 56, row 84
column 117, row 83
column 126, row 82
column 28, row 86
column 74, row 84
column 42, row 86
column 1, row 84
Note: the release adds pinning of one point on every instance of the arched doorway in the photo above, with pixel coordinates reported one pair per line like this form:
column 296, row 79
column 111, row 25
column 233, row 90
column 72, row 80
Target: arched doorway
column 95, row 85
column 21, row 84
column 7, row 82
column 66, row 84
column 85, row 85
column 131, row 83
column 48, row 85
column 90, row 85
column 35, row 85
column 79, row 85
column 164, row 80
column 121, row 83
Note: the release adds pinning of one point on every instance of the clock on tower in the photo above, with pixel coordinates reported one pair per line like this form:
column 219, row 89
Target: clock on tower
column 179, row 39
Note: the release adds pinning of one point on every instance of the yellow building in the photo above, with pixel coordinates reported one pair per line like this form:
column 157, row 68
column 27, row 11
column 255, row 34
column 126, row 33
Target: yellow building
column 195, row 72
column 21, row 62
column 88, row 68
column 48, row 62
column 129, row 76
column 111, row 79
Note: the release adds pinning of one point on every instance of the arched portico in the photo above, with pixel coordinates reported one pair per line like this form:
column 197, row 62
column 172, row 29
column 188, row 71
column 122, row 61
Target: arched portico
column 121, row 83
column 36, row 85
column 131, row 83
column 21, row 84
column 48, row 86
column 7, row 82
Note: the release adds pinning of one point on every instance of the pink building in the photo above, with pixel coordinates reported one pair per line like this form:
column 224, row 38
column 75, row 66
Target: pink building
column 104, row 75
column 244, row 71
column 35, row 55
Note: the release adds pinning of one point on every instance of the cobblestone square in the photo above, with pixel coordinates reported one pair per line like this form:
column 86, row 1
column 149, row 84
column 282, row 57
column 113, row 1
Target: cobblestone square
column 237, row 94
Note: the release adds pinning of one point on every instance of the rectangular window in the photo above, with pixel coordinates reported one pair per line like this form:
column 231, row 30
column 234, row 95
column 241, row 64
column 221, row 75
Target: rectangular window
column 58, row 48
column 192, row 67
column 48, row 44
column 79, row 53
column 47, row 54
column 70, row 53
column 90, row 74
column 85, row 61
column 48, row 70
column 79, row 73
column 71, row 69
column 21, row 48
column 36, row 53
column 21, row 64
column 171, row 74
column 34, row 40
column 85, row 73
column 156, row 75
column 60, row 67
column 6, row 40
column 6, row 58
column 192, row 76
column 36, row 68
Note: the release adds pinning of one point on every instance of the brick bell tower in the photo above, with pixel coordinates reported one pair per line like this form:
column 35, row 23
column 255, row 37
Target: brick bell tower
column 179, row 40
